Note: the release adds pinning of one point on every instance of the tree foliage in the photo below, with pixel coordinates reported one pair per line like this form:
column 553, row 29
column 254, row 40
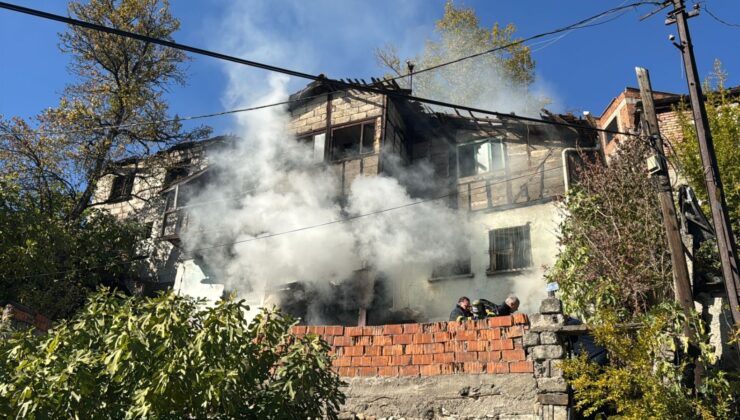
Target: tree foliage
column 724, row 123
column 458, row 34
column 614, row 268
column 167, row 358
column 614, row 253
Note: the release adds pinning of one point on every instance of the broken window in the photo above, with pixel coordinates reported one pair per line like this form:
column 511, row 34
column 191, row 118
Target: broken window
column 480, row 157
column 352, row 141
column 460, row 267
column 509, row 249
column 177, row 173
column 612, row 126
column 317, row 143
column 121, row 187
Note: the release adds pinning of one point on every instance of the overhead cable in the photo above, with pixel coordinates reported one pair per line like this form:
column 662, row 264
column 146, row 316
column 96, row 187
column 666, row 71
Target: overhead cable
column 331, row 82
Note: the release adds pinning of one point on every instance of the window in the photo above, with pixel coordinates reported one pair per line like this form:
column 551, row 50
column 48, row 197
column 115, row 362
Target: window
column 177, row 173
column 355, row 140
column 612, row 126
column 480, row 157
column 317, row 143
column 457, row 268
column 509, row 249
column 121, row 187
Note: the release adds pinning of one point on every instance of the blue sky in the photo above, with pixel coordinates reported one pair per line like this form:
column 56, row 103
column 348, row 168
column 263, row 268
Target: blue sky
column 583, row 70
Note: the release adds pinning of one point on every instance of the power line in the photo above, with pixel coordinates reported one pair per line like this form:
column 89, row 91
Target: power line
column 343, row 220
column 321, row 78
column 578, row 25
column 718, row 19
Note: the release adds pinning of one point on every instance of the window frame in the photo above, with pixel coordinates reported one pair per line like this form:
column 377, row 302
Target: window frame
column 610, row 137
column 127, row 185
column 518, row 252
column 453, row 275
column 311, row 136
column 492, row 142
column 360, row 153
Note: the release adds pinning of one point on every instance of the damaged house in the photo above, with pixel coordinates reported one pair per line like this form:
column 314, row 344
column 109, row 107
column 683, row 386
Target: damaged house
column 503, row 176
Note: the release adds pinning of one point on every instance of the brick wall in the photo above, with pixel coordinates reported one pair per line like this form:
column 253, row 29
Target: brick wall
column 492, row 346
column 19, row 317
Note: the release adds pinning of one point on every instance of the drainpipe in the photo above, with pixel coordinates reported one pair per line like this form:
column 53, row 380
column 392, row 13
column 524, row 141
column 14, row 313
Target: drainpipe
column 567, row 150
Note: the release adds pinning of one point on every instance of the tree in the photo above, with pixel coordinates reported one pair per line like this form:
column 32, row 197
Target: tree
column 614, row 269
column 168, row 357
column 724, row 123
column 473, row 82
column 55, row 246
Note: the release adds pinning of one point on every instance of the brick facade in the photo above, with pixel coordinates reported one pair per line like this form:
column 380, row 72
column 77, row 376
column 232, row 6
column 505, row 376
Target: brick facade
column 491, row 346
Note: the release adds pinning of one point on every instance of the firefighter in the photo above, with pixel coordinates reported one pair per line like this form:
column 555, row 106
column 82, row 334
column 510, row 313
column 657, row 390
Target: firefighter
column 462, row 310
column 483, row 308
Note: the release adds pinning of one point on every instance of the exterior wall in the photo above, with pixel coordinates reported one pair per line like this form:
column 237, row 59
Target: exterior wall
column 492, row 346
column 17, row 317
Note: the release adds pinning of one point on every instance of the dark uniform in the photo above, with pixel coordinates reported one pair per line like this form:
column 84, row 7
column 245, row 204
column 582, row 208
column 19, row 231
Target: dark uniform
column 459, row 313
column 503, row 309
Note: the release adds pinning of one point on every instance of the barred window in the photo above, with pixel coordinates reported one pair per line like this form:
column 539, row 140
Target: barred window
column 509, row 249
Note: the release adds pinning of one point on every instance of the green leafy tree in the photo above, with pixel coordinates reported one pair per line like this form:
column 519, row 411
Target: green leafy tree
column 51, row 166
column 724, row 123
column 168, row 357
column 473, row 82
column 614, row 269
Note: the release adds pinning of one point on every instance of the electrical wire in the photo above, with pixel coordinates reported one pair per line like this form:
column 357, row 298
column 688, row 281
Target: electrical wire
column 321, row 78
column 578, row 25
column 717, row 18
column 342, row 220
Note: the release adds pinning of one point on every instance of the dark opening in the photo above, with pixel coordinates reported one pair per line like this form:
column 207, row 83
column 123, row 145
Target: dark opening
column 121, row 187
column 458, row 268
column 353, row 141
column 613, row 126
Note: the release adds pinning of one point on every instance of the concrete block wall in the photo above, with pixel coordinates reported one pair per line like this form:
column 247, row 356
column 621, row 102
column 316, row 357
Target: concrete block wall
column 491, row 346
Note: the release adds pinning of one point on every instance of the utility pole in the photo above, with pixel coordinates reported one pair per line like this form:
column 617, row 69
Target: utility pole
column 681, row 283
column 725, row 240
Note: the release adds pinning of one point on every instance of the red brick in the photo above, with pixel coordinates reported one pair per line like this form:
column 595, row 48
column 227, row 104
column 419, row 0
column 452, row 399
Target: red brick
column 367, row 371
column 342, row 361
column 298, row 329
column 489, row 356
column 388, row 371
column 513, row 355
column 400, row 360
column 342, row 340
column 315, row 329
column 473, row 367
column 364, row 340
column 453, row 326
column 521, row 367
column 382, row 340
column 396, row 350
column 334, row 330
column 480, row 324
column 515, row 331
column 380, row 361
column 497, row 367
column 433, row 348
column 430, row 370
column 423, row 338
column 392, row 329
column 440, row 337
column 490, row 334
column 521, row 319
column 500, row 321
column 467, row 335
column 372, row 330
column 503, row 344
column 411, row 328
column 403, row 339
column 422, row 359
column 469, row 324
column 476, row 345
column 444, row 357
column 373, row 350
column 408, row 370
column 435, row 327
column 447, row 369
column 353, row 331
column 354, row 351
column 454, row 346
column 361, row 361
column 347, row 371
column 414, row 349
column 466, row 356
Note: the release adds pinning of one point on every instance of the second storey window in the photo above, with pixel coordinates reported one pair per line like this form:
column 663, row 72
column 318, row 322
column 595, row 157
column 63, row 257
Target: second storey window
column 509, row 249
column 352, row 141
column 121, row 187
column 460, row 267
column 317, row 143
column 480, row 157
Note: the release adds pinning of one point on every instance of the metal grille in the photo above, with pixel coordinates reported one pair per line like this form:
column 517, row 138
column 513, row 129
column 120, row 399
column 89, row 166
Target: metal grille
column 509, row 249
